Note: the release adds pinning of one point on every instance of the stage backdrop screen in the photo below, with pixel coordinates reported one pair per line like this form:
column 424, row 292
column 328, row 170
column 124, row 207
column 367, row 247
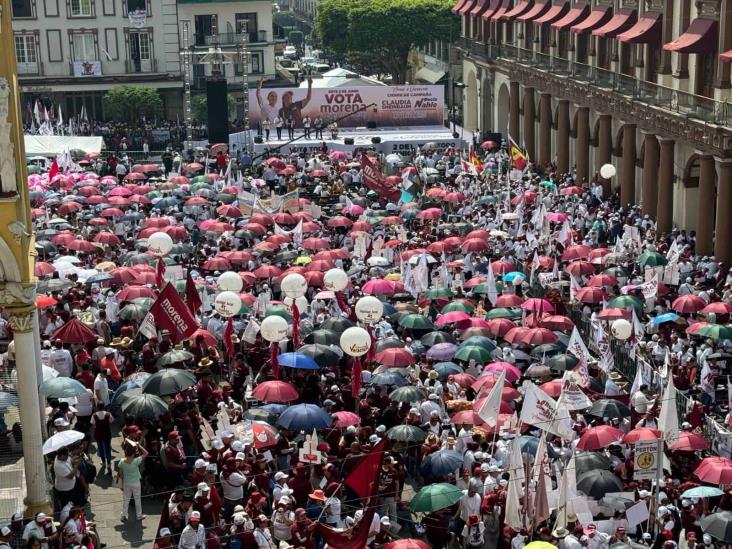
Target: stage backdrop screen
column 395, row 105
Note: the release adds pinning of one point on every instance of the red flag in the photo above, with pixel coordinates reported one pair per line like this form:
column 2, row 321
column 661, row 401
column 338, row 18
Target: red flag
column 363, row 478
column 160, row 273
column 192, row 297
column 274, row 350
column 352, row 538
column 374, row 180
column 341, row 300
column 228, row 340
column 54, row 170
column 356, row 379
column 169, row 312
column 296, row 326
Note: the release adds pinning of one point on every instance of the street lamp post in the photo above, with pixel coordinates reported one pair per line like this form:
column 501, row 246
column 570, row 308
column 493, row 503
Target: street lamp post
column 187, row 85
column 245, row 84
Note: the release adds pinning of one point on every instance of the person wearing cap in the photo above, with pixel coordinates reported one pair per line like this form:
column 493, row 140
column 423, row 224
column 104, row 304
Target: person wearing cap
column 282, row 519
column 388, row 487
column 61, row 360
column 128, row 472
column 41, row 528
column 174, row 459
column 262, row 534
column 101, row 388
column 232, row 484
column 6, row 535
column 164, row 539
column 280, row 487
column 199, row 472
column 473, row 533
column 194, row 534
column 302, row 530
column 205, row 503
column 16, row 528
column 595, row 539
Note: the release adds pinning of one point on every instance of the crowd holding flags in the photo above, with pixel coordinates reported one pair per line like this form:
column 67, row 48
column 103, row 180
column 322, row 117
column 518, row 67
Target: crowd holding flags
column 50, row 121
column 519, row 159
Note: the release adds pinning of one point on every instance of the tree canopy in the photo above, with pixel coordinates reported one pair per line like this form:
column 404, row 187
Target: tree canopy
column 384, row 30
column 129, row 103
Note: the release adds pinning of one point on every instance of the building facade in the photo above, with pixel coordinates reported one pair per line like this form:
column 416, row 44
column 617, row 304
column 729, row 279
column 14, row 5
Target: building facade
column 70, row 52
column 641, row 84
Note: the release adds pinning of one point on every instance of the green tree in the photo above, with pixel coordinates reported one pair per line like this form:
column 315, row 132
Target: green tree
column 199, row 108
column 384, row 30
column 129, row 103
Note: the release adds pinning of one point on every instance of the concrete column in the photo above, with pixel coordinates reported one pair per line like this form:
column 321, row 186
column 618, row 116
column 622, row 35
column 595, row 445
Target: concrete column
column 650, row 175
column 21, row 321
column 707, row 198
column 627, row 174
column 665, row 209
column 529, row 123
column 582, row 144
column 39, row 370
column 545, row 128
column 723, row 228
column 514, row 114
column 604, row 148
column 563, row 137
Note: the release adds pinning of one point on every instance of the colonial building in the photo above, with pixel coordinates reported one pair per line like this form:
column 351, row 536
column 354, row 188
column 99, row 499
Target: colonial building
column 70, row 52
column 641, row 84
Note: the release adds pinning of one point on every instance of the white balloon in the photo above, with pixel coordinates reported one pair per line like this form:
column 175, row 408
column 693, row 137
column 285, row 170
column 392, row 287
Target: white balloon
column 301, row 302
column 159, row 243
column 355, row 341
column 621, row 329
column 274, row 328
column 230, row 282
column 335, row 280
column 227, row 304
column 607, row 171
column 294, row 285
column 369, row 309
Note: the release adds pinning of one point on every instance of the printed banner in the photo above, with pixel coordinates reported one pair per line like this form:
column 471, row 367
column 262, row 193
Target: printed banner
column 394, row 105
column 374, row 180
column 646, row 460
column 87, row 68
column 169, row 312
column 572, row 396
column 291, row 202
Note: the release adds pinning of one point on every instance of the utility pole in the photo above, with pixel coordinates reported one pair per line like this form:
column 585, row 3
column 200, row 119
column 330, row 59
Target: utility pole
column 245, row 85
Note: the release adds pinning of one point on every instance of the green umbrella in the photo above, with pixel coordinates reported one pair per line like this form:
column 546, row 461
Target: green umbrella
column 503, row 312
column 408, row 393
column 167, row 202
column 548, row 184
column 716, row 331
column 132, row 311
column 198, row 180
column 651, row 259
column 473, row 352
column 416, row 322
column 435, row 496
column 32, row 168
column 625, row 302
column 154, row 194
column 436, row 293
column 458, row 306
column 62, row 387
column 173, row 357
column 278, row 310
column 145, row 406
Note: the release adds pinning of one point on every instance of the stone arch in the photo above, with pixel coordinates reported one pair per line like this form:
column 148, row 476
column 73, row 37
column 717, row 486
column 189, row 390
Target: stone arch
column 595, row 132
column 502, row 105
column 470, row 109
column 691, row 172
column 573, row 124
column 618, row 142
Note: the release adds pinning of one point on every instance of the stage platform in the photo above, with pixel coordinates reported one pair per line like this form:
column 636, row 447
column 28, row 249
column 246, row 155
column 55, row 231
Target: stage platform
column 401, row 140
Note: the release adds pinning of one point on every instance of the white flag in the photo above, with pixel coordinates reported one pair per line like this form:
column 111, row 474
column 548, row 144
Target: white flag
column 578, row 348
column 637, row 380
column 488, row 412
column 421, row 274
column 573, row 398
column 492, row 290
column 574, row 286
column 541, row 410
column 148, row 327
column 668, row 420
column 707, row 379
column 650, row 288
column 514, row 512
column 567, row 492
column 603, row 348
column 250, row 332
column 638, row 330
column 673, row 254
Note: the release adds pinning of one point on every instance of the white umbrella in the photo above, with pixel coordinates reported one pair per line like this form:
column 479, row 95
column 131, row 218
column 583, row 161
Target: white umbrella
column 377, row 261
column 48, row 372
column 67, row 259
column 61, row 440
column 414, row 260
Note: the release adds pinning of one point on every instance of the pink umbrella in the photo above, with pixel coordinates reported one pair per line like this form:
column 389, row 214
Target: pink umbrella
column 538, row 336
column 502, row 267
column 430, row 214
column 578, row 251
column 556, row 217
column 120, row 191
column 537, row 305
column 355, row 209
column 514, row 335
column 513, row 374
column 133, row 292
column 579, row 268
column 395, row 357
column 108, row 238
column 378, row 286
column 499, row 327
column 557, row 322
column 339, row 156
column 599, row 437
column 452, row 317
column 345, row 419
column 688, row 304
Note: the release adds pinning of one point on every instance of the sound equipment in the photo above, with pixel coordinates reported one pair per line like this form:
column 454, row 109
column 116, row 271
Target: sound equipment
column 455, row 135
column 258, row 139
column 348, row 140
column 371, row 125
column 218, row 110
column 376, row 140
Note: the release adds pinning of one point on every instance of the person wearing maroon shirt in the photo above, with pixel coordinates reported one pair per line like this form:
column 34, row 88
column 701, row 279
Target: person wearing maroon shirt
column 238, row 376
column 150, row 355
column 174, row 459
column 300, row 483
column 437, row 528
column 302, row 530
column 165, row 345
column 86, row 377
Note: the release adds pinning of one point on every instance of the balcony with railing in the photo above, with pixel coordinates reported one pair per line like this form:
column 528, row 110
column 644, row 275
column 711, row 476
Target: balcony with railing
column 30, row 68
column 229, row 38
column 688, row 105
column 141, row 66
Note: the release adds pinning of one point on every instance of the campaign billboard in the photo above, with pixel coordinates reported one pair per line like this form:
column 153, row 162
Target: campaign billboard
column 394, row 105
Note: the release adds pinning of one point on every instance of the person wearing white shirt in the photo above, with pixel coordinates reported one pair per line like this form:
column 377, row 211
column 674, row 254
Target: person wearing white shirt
column 194, row 534
column 41, row 528
column 469, row 503
column 595, row 539
column 262, row 535
column 232, row 483
column 65, row 472
column 640, row 401
column 101, row 388
column 61, row 360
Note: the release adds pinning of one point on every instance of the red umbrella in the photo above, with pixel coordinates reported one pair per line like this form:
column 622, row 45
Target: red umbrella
column 42, row 268
column 602, row 279
column 454, row 197
column 578, row 251
column 435, row 192
column 464, row 380
column 227, row 210
column 391, row 220
column 96, row 199
column 267, row 271
column 133, row 292
column 178, row 233
column 237, row 256
column 112, row 212
column 196, row 201
column 474, row 245
column 346, row 419
column 179, row 180
column 473, row 282
column 276, row 163
column 318, row 173
column 378, row 286
column 579, row 268
column 279, row 239
column 256, row 228
column 553, row 388
column 407, row 543
column 314, row 278
column 135, row 176
column 395, row 357
column 219, row 227
column 310, row 227
column 137, row 199
column 591, row 295
column 217, row 264
column 688, row 304
column 538, row 305
column 597, row 254
column 82, row 246
column 339, row 221
column 63, row 238
column 514, row 335
column 284, row 218
column 513, row 374
column 105, row 237
column 44, row 301
column 599, row 437
column 275, row 391
column 119, row 201
column 264, row 434
column 472, row 322
column 557, row 322
column 98, row 222
column 528, row 197
column 156, row 222
column 321, row 265
column 718, row 307
column 439, row 248
column 690, row 442
column 123, row 275
column 452, row 317
column 145, row 277
column 363, row 226
column 538, row 336
column 69, row 207
column 509, row 300
column 430, row 214
column 478, row 233
column 208, row 338
column 248, row 278
column 614, row 313
column 262, row 219
column 567, row 191
column 75, row 332
column 715, row 470
column 642, row 434
column 466, row 417
column 488, row 145
column 499, row 327
column 487, row 380
column 502, row 267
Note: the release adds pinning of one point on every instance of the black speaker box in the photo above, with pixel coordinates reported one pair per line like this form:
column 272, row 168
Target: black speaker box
column 348, row 140
column 258, row 139
column 376, row 140
column 218, row 111
column 371, row 125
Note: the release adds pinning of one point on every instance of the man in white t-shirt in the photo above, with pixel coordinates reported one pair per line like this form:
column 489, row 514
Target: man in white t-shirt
column 61, row 360
column 41, row 528
column 65, row 472
column 101, row 387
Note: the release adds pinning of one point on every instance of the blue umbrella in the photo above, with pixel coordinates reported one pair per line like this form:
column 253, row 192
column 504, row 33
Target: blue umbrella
column 297, row 360
column 97, row 278
column 305, row 417
column 441, row 463
column 389, row 379
column 275, row 407
column 530, row 444
column 666, row 317
column 7, row 399
column 133, row 383
column 445, row 369
column 510, row 277
column 702, row 492
column 482, row 341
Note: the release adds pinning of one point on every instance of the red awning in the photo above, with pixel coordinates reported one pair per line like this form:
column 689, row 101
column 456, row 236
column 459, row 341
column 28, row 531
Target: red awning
column 495, row 5
column 597, row 18
column 619, row 23
column 555, row 13
column 521, row 8
column 501, row 10
column 480, row 7
column 457, row 7
column 574, row 15
column 467, row 7
column 700, row 37
column 646, row 31
column 537, row 11
column 726, row 56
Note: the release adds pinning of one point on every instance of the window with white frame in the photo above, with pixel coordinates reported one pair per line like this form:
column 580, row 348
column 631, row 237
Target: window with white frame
column 81, row 8
column 25, row 49
column 84, row 47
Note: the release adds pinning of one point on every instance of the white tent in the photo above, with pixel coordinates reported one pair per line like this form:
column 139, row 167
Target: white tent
column 51, row 145
column 338, row 78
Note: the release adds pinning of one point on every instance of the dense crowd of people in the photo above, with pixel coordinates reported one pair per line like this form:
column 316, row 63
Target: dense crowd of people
column 493, row 283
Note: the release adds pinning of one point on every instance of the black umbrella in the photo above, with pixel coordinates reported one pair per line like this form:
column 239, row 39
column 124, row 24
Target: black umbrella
column 337, row 324
column 599, row 482
column 442, row 462
column 547, row 349
column 561, row 362
column 260, row 414
column 408, row 393
column 608, row 408
column 46, row 247
column 617, row 503
column 406, row 433
column 718, row 525
column 168, row 382
column 389, row 379
column 322, row 354
column 323, row 337
column 145, row 406
column 287, row 255
column 589, row 461
column 433, row 338
column 389, row 343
